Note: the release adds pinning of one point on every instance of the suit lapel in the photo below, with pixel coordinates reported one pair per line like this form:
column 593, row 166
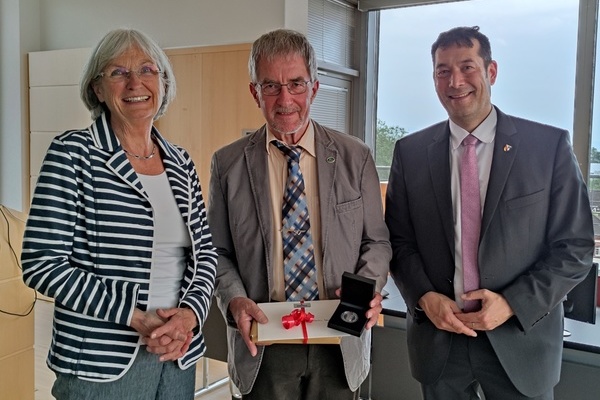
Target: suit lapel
column 506, row 147
column 256, row 165
column 105, row 139
column 327, row 159
column 439, row 169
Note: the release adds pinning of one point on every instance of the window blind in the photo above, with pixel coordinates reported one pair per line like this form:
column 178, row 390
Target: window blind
column 332, row 31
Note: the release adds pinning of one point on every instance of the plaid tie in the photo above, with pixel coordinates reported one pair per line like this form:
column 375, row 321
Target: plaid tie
column 470, row 219
column 298, row 252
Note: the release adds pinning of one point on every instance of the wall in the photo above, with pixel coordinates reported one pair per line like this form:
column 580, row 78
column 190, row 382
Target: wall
column 180, row 23
column 54, row 103
column 38, row 25
column 19, row 34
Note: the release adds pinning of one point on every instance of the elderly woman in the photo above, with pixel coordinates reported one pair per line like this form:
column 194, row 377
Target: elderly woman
column 117, row 235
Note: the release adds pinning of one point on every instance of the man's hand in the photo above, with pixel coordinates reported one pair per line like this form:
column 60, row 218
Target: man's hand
column 495, row 310
column 374, row 310
column 442, row 312
column 244, row 311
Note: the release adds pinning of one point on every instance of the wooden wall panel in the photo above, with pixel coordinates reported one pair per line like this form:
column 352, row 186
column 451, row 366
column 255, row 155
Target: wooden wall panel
column 57, row 67
column 16, row 375
column 57, row 108
column 38, row 146
column 213, row 106
column 182, row 122
column 16, row 332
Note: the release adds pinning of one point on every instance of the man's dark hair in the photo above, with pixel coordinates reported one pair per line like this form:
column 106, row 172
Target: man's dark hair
column 463, row 36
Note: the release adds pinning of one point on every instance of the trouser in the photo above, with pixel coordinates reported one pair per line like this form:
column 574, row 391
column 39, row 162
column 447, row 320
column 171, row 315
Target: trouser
column 301, row 372
column 146, row 379
column 473, row 367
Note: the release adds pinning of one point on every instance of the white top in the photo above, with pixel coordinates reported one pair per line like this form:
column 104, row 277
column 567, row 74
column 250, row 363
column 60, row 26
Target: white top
column 171, row 240
column 485, row 132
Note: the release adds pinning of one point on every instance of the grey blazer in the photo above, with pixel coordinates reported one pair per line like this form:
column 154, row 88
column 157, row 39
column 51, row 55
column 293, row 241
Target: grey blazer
column 536, row 243
column 354, row 237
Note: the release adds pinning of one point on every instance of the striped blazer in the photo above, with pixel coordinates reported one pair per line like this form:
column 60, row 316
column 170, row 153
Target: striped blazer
column 88, row 244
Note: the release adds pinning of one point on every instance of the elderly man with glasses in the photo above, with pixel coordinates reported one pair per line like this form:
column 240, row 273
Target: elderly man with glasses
column 266, row 255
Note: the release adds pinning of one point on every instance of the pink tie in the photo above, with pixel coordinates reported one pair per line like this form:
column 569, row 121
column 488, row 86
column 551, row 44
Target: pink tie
column 470, row 218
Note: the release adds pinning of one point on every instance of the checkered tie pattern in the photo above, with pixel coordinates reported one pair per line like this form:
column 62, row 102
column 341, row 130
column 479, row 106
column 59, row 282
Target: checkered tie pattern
column 470, row 212
column 298, row 251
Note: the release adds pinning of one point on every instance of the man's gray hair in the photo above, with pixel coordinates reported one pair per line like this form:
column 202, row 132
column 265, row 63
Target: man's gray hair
column 281, row 42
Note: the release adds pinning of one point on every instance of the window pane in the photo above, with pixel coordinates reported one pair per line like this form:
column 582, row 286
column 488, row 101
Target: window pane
column 533, row 41
column 594, row 183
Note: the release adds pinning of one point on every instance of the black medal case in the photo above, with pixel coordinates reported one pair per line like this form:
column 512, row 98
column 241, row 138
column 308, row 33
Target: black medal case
column 357, row 293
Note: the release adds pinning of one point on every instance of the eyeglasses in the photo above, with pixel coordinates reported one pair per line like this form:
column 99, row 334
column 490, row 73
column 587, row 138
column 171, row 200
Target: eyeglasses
column 274, row 88
column 145, row 73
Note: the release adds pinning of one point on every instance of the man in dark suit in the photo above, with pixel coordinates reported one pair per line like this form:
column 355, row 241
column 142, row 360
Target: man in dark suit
column 347, row 230
column 533, row 241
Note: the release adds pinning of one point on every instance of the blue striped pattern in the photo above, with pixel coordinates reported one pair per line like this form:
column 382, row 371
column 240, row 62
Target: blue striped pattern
column 88, row 244
column 298, row 250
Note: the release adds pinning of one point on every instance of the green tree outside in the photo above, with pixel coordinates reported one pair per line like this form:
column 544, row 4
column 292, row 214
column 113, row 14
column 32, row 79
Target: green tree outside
column 384, row 147
column 594, row 155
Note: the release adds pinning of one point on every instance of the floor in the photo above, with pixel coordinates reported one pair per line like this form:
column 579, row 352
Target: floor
column 44, row 377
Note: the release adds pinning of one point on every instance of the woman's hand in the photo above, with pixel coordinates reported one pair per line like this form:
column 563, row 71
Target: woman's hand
column 145, row 322
column 172, row 339
column 165, row 332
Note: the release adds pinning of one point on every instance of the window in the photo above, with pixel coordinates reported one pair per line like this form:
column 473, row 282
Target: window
column 332, row 31
column 331, row 107
column 594, row 171
column 534, row 43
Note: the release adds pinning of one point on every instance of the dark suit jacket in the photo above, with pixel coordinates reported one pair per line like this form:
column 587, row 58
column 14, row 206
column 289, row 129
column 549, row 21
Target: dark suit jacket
column 354, row 235
column 536, row 243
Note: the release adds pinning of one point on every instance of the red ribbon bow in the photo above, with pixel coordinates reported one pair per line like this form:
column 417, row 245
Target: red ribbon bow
column 297, row 317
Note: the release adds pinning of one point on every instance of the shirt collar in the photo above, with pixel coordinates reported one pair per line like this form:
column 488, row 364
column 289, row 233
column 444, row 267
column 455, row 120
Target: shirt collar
column 485, row 132
column 307, row 142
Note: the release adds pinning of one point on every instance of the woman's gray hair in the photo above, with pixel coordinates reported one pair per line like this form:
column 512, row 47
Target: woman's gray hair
column 112, row 45
column 281, row 42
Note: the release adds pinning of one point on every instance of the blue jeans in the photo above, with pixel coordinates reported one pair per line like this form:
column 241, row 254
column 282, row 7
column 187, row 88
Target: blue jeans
column 146, row 379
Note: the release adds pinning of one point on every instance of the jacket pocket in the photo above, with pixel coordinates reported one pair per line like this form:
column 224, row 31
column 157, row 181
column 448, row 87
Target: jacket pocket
column 525, row 201
column 349, row 206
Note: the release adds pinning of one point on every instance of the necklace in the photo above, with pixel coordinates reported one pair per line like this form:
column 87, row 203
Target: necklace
column 142, row 157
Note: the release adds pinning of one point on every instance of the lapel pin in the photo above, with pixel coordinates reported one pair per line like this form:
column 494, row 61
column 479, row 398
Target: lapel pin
column 507, row 148
column 330, row 160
